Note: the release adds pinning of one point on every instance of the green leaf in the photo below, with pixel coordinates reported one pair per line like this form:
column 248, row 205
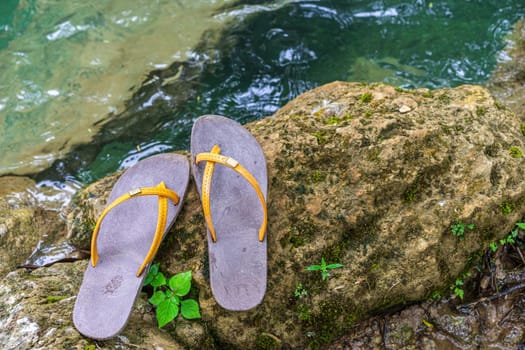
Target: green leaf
column 471, row 226
column 159, row 280
column 323, row 264
column 157, row 297
column 521, row 225
column 334, row 266
column 152, row 272
column 313, row 268
column 190, row 309
column 459, row 282
column 166, row 312
column 325, row 274
column 175, row 299
column 459, row 292
column 181, row 283
column 494, row 246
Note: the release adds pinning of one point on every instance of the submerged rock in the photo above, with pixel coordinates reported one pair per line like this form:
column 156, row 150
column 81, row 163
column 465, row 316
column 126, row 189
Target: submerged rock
column 368, row 176
column 508, row 79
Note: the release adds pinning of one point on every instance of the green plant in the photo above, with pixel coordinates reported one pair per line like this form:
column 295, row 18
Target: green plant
column 323, row 268
column 167, row 296
column 457, row 288
column 458, row 229
column 522, row 128
column 510, row 239
column 436, row 295
column 515, row 152
column 366, row 97
column 300, row 291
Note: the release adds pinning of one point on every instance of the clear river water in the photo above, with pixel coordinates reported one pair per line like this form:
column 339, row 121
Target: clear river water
column 87, row 88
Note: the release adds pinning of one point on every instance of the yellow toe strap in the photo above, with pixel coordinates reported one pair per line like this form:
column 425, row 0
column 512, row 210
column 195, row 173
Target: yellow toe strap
column 164, row 194
column 211, row 158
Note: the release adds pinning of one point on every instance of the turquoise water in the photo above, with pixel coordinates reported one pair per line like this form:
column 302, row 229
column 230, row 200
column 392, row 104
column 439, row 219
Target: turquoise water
column 267, row 54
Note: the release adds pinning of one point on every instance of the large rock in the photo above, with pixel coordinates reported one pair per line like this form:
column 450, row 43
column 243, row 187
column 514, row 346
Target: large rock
column 368, row 176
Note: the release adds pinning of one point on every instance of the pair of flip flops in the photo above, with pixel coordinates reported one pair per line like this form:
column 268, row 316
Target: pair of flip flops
column 230, row 172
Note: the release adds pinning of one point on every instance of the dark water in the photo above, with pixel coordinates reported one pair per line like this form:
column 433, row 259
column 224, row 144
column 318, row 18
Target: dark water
column 276, row 51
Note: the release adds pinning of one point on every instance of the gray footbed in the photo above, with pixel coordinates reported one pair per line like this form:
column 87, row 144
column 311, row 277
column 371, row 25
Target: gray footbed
column 109, row 290
column 237, row 261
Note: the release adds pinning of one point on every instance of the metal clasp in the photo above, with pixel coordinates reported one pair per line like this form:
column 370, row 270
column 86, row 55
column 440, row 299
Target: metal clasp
column 134, row 192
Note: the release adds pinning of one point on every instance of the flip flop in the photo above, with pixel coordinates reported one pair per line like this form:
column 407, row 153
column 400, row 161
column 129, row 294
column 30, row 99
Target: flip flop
column 230, row 172
column 143, row 204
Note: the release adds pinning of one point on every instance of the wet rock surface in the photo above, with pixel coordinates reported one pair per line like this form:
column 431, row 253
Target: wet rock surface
column 508, row 79
column 368, row 176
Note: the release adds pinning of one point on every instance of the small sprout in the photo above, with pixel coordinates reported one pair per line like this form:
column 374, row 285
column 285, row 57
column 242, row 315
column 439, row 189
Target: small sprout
column 457, row 288
column 493, row 246
column 300, row 291
column 511, row 238
column 436, row 295
column 323, row 268
column 458, row 229
column 366, row 97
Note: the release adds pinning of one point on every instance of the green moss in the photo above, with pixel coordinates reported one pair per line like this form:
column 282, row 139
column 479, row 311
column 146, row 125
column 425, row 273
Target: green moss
column 366, row 97
column 320, row 136
column 411, row 192
column 265, row 341
column 373, row 154
column 368, row 113
column 90, row 347
column 427, row 94
column 515, row 152
column 348, row 117
column 296, row 241
column 507, row 207
column 499, row 105
column 317, row 176
column 304, row 313
column 399, row 89
column 481, row 111
column 445, row 99
column 54, row 298
column 334, row 318
column 333, row 121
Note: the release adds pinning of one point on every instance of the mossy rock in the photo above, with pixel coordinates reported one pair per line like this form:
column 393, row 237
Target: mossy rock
column 378, row 196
